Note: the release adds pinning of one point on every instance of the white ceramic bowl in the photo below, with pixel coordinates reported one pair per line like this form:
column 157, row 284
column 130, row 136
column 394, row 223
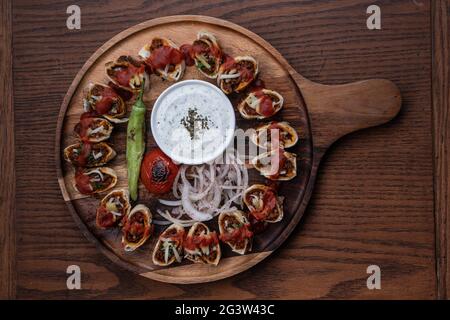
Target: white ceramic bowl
column 193, row 122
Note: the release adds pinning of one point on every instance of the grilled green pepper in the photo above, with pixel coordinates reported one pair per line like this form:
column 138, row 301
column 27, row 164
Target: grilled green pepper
column 135, row 143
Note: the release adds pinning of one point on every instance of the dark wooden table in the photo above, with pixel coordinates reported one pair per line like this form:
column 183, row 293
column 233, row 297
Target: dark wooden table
column 381, row 196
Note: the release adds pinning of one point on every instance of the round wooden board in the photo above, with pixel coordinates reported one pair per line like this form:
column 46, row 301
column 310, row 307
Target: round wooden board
column 276, row 73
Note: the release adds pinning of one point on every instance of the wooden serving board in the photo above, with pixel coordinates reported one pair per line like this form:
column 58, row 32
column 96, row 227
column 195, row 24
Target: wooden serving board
column 321, row 114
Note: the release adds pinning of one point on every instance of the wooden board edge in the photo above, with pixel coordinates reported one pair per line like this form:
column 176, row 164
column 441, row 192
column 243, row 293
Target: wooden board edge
column 245, row 262
column 7, row 156
column 136, row 28
column 441, row 141
column 98, row 244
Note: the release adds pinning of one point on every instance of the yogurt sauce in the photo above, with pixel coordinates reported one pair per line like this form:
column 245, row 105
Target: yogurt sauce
column 193, row 122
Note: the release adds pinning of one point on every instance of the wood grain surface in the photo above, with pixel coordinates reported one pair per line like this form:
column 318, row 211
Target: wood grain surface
column 7, row 186
column 373, row 202
column 441, row 139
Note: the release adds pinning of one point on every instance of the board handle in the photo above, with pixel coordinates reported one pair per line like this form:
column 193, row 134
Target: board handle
column 336, row 110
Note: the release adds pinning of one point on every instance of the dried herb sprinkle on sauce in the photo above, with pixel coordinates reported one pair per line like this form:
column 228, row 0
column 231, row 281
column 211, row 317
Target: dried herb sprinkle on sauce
column 193, row 122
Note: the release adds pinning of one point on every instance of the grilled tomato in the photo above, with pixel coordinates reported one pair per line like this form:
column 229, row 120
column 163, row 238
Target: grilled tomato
column 158, row 172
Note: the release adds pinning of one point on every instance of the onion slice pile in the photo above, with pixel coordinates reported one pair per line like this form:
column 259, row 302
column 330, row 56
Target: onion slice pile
column 205, row 191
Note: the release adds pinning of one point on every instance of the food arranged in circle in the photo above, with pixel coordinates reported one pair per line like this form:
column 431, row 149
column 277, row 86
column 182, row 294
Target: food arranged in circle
column 200, row 208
